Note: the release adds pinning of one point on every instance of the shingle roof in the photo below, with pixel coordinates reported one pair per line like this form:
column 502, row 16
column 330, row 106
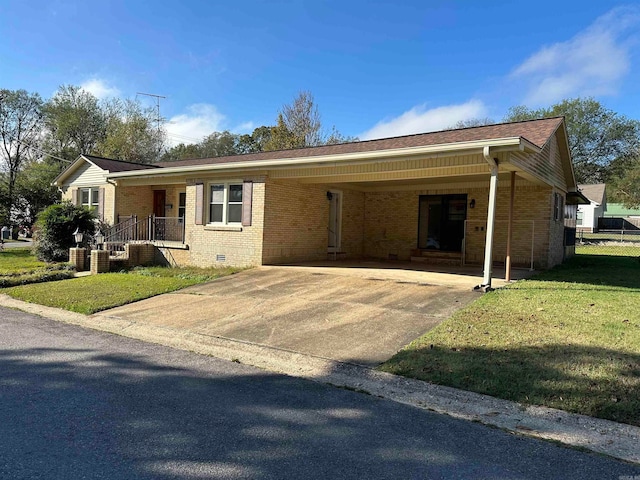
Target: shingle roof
column 113, row 166
column 537, row 132
column 594, row 192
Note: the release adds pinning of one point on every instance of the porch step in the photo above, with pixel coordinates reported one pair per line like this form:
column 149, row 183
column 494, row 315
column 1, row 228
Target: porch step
column 436, row 257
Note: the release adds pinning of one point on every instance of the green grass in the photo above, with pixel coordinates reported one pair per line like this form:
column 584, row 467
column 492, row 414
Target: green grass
column 568, row 338
column 19, row 267
column 98, row 292
column 16, row 260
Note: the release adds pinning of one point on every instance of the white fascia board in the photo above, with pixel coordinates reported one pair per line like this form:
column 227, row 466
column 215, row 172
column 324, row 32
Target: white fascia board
column 515, row 143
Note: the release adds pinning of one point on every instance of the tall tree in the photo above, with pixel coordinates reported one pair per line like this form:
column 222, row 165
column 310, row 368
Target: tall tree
column 181, row 152
column 75, row 122
column 281, row 137
column 254, row 142
column 132, row 132
column 219, row 144
column 20, row 128
column 299, row 125
column 34, row 189
column 597, row 136
column 472, row 122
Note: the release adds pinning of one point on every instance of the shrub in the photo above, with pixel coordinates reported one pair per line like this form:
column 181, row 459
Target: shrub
column 55, row 226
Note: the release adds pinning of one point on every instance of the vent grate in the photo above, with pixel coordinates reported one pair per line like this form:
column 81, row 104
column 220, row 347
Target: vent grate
column 220, row 258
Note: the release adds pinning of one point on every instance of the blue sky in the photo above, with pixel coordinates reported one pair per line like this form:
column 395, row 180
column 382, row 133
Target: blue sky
column 375, row 68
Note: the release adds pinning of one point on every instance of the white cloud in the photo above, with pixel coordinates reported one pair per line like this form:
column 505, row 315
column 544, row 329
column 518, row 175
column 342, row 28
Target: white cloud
column 419, row 120
column 199, row 121
column 99, row 88
column 245, row 127
column 590, row 64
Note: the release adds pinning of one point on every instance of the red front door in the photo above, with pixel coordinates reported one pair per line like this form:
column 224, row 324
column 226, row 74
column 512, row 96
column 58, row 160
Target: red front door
column 159, row 198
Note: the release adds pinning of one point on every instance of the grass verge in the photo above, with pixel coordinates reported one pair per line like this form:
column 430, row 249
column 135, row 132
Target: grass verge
column 568, row 338
column 99, row 292
column 19, row 267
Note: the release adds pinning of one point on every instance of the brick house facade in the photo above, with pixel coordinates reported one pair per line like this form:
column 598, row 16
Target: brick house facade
column 418, row 197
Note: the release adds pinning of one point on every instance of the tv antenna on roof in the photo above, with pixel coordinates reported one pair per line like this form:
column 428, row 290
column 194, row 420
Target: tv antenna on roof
column 158, row 118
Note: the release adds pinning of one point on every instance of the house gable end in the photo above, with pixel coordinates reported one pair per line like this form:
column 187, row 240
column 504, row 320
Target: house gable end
column 86, row 175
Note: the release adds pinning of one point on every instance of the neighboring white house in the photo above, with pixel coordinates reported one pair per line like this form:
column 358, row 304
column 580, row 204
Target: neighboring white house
column 587, row 219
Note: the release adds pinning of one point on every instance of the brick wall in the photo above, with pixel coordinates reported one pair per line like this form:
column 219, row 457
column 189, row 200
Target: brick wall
column 391, row 224
column 240, row 246
column 556, row 234
column 297, row 219
column 134, row 200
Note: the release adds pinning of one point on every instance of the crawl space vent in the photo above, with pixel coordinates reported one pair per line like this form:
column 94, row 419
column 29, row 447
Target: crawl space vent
column 220, row 258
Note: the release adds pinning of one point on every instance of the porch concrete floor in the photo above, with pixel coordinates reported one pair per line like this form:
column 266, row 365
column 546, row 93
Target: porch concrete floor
column 361, row 312
column 445, row 275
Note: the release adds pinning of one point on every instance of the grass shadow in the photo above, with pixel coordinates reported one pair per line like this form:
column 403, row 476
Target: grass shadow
column 594, row 381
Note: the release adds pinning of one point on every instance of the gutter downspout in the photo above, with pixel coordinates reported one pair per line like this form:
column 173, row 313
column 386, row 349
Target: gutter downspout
column 491, row 217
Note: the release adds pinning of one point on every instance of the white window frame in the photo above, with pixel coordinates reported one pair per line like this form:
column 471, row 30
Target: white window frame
column 182, row 207
column 90, row 190
column 225, row 202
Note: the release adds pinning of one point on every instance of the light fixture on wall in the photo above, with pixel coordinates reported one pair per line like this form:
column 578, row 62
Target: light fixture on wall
column 169, row 206
column 472, row 203
column 329, row 196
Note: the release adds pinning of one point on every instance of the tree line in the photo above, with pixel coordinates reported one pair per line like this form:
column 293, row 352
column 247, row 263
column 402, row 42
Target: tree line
column 39, row 138
column 604, row 145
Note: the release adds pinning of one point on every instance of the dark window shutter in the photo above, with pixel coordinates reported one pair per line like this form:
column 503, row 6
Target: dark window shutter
column 75, row 196
column 199, row 204
column 247, row 199
column 101, row 203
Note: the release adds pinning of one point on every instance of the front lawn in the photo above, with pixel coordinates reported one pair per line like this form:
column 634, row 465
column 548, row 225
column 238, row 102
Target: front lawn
column 568, row 338
column 99, row 292
column 18, row 266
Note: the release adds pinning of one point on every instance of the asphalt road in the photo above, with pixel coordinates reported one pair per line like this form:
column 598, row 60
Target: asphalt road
column 80, row 404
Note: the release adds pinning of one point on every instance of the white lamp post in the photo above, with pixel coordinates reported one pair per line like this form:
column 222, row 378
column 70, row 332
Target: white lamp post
column 78, row 236
column 99, row 239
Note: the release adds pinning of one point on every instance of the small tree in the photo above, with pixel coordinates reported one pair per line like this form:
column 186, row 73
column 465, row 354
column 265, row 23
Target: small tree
column 55, row 227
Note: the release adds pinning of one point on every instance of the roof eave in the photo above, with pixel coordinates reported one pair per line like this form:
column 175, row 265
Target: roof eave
column 508, row 143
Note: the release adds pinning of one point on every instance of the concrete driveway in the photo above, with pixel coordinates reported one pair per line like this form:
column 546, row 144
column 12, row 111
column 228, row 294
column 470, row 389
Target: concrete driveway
column 349, row 314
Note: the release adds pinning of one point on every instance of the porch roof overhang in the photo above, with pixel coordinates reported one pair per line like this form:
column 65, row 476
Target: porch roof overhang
column 346, row 159
column 578, row 198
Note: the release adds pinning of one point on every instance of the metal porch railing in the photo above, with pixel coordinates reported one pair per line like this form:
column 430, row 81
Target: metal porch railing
column 151, row 228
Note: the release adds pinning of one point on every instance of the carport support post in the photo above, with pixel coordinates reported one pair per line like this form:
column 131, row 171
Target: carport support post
column 507, row 263
column 491, row 219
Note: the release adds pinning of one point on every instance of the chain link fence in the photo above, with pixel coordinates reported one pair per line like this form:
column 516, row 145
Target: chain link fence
column 609, row 242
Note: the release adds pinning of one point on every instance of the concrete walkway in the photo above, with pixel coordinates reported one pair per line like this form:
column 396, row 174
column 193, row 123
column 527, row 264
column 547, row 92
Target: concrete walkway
column 18, row 244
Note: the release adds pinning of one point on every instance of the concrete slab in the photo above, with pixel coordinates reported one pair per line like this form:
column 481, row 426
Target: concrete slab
column 362, row 316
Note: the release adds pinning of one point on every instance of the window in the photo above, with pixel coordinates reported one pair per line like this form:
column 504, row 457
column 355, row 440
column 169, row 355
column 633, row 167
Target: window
column 182, row 206
column 90, row 198
column 579, row 219
column 558, row 207
column 441, row 222
column 225, row 203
